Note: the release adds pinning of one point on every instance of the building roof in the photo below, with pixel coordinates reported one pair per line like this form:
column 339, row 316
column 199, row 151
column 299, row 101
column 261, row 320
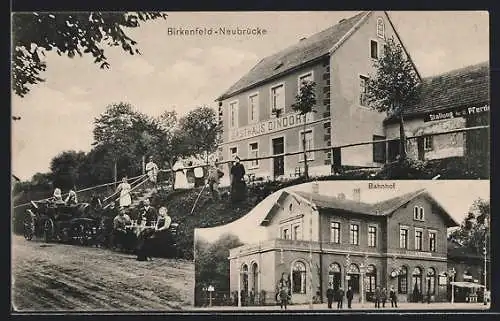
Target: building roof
column 464, row 87
column 306, row 50
column 383, row 208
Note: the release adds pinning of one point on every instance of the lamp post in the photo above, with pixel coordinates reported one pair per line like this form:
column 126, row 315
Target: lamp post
column 452, row 274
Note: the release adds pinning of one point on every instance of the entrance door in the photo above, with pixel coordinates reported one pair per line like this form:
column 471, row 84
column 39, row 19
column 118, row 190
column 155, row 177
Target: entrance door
column 353, row 282
column 278, row 161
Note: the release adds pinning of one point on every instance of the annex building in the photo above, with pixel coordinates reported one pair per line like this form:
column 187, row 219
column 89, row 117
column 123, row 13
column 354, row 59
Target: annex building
column 258, row 120
column 400, row 242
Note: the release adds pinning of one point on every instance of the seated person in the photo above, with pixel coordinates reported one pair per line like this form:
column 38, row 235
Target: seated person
column 71, row 199
column 148, row 213
column 95, row 202
column 120, row 234
column 150, row 236
column 57, row 197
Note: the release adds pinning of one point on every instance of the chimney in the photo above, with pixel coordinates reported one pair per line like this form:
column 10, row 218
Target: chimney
column 341, row 196
column 356, row 195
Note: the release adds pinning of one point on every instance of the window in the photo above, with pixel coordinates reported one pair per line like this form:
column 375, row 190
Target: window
column 379, row 149
column 354, row 234
column 428, row 142
column 309, row 144
column 304, row 79
column 363, row 88
column 253, row 108
column 233, row 114
column 380, row 28
column 432, row 241
column 253, row 152
column 296, row 232
column 299, row 278
column 278, row 97
column 373, row 49
column 233, row 151
column 418, row 213
column 286, row 234
column 372, row 236
column 371, row 275
column 418, row 240
column 403, row 238
column 335, row 232
column 403, row 280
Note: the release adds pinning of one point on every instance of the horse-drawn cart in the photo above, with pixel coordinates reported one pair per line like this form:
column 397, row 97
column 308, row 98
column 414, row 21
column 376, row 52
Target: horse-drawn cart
column 59, row 222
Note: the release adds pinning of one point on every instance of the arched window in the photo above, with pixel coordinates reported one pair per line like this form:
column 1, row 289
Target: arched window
column 244, row 278
column 431, row 283
column 353, row 277
column 416, row 283
column 334, row 276
column 403, row 280
column 299, row 277
column 255, row 277
column 371, row 276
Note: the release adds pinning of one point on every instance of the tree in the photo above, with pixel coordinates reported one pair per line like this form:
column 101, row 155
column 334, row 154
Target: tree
column 394, row 87
column 65, row 169
column 82, row 33
column 201, row 131
column 212, row 264
column 116, row 130
column 474, row 229
column 304, row 103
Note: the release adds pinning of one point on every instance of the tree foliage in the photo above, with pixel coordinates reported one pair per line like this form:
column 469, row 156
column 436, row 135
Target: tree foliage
column 304, row 104
column 70, row 34
column 201, row 131
column 394, row 87
column 66, row 169
column 212, row 264
column 474, row 228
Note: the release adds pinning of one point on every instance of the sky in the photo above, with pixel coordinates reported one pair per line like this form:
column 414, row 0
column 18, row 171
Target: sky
column 185, row 72
column 456, row 197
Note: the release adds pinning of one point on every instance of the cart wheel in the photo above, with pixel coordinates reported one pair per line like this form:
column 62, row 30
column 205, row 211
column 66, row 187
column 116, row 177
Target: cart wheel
column 48, row 230
column 29, row 226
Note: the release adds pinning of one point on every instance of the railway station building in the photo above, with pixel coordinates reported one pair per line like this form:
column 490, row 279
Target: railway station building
column 258, row 120
column 400, row 242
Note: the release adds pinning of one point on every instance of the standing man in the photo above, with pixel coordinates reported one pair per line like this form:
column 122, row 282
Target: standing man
column 340, row 298
column 393, row 297
column 349, row 295
column 152, row 172
column 329, row 295
column 377, row 297
column 283, row 291
column 383, row 296
column 237, row 181
column 213, row 180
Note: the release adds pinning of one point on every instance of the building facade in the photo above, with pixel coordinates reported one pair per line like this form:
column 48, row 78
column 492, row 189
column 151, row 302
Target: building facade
column 398, row 243
column 258, row 120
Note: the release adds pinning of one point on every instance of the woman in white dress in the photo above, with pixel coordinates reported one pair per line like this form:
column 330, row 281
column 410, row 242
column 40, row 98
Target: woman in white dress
column 124, row 189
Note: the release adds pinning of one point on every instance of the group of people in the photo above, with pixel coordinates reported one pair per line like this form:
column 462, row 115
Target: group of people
column 379, row 296
column 237, row 180
column 57, row 197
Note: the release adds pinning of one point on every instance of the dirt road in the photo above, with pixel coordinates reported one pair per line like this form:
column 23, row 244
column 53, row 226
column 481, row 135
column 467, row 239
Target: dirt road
column 57, row 277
